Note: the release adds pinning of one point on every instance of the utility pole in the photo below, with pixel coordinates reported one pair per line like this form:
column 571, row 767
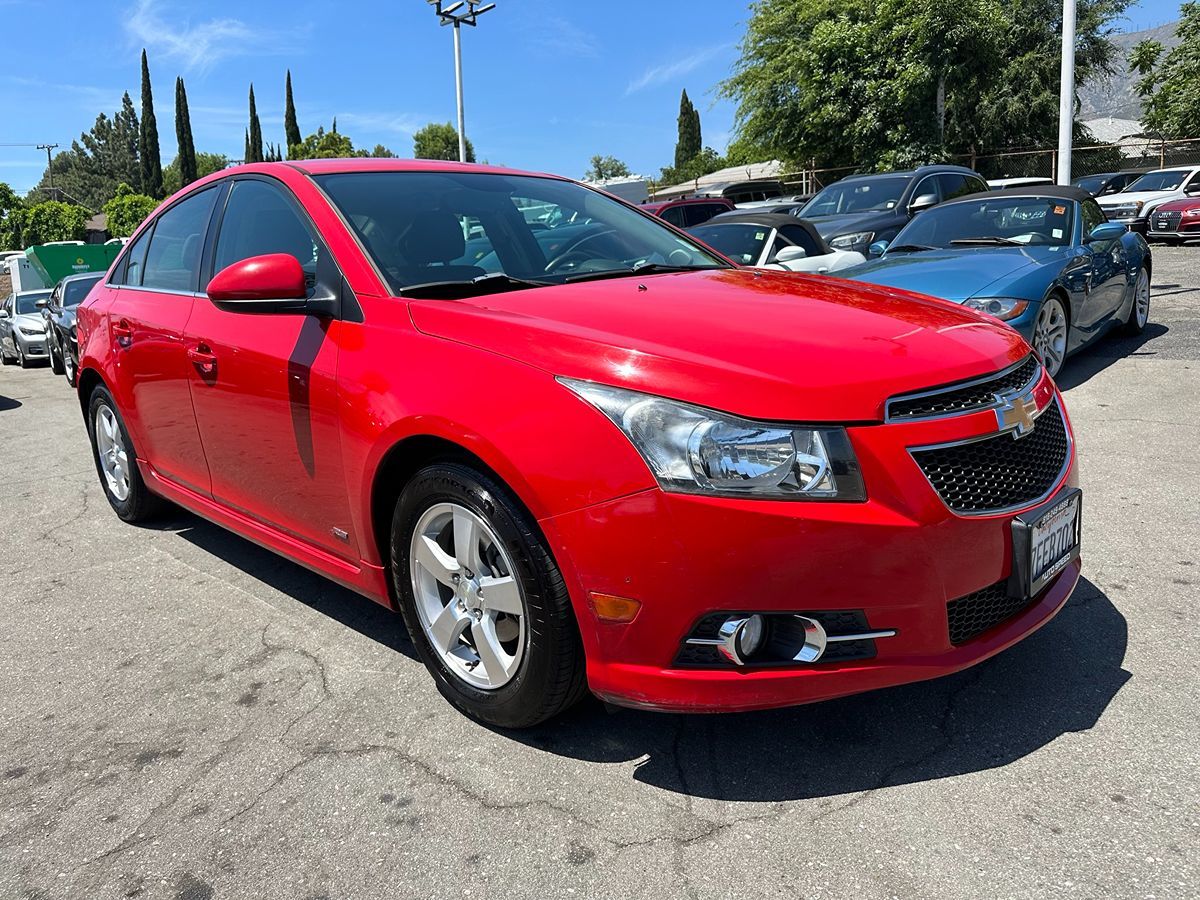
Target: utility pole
column 49, row 171
column 455, row 15
column 1066, row 94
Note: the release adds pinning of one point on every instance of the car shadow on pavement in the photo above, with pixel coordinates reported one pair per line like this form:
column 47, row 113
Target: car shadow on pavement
column 1058, row 681
column 7, row 403
column 314, row 591
column 1106, row 351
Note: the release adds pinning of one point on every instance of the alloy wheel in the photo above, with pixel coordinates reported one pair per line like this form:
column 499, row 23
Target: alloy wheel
column 1142, row 299
column 1050, row 335
column 114, row 459
column 470, row 605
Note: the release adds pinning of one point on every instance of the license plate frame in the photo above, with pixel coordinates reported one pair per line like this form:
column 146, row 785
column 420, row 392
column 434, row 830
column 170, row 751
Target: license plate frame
column 1038, row 528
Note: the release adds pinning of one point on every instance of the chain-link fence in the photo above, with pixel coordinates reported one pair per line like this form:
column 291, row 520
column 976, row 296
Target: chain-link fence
column 1087, row 160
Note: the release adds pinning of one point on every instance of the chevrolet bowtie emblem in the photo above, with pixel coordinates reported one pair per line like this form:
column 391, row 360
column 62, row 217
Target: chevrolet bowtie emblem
column 1016, row 414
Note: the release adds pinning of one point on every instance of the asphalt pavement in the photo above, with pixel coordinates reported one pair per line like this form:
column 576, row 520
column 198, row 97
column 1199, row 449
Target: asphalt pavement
column 185, row 715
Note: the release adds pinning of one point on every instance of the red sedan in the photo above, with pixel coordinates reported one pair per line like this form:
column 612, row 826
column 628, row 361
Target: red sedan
column 575, row 449
column 1175, row 221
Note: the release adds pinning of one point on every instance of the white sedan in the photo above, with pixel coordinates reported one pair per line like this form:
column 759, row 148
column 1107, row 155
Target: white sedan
column 773, row 241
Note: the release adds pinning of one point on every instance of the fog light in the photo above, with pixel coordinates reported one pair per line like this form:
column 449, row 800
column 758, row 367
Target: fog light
column 741, row 637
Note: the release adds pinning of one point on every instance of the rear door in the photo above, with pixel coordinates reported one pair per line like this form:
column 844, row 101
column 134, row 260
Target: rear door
column 264, row 386
column 156, row 286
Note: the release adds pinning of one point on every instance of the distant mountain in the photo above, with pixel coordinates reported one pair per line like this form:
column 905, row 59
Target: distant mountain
column 1114, row 95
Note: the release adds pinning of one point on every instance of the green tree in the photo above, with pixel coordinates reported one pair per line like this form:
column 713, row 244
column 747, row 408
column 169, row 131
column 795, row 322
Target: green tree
column 12, row 219
column 127, row 210
column 291, row 130
column 606, row 167
column 690, row 142
column 151, row 160
column 206, row 164
column 438, row 141
column 254, row 142
column 706, row 161
column 898, row 82
column 89, row 172
column 322, row 144
column 183, row 133
column 1170, row 85
column 379, row 151
column 52, row 220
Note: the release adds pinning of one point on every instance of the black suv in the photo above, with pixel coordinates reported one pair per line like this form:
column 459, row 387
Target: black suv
column 853, row 213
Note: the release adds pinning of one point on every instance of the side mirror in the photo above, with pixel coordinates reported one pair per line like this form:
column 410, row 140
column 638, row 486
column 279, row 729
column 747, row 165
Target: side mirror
column 877, row 248
column 1107, row 231
column 922, row 203
column 262, row 284
column 41, row 304
column 1193, row 189
column 3, row 313
column 789, row 254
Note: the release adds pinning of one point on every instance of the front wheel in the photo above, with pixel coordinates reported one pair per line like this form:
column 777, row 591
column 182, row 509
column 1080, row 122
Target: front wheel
column 56, row 357
column 21, row 357
column 483, row 599
column 1139, row 312
column 70, row 367
column 1050, row 335
column 116, row 462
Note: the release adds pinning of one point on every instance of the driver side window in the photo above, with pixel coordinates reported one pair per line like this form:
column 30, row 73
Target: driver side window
column 1092, row 216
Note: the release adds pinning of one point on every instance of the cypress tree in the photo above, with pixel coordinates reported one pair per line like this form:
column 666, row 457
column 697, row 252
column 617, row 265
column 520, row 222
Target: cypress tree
column 255, row 149
column 246, row 153
column 183, row 133
column 151, row 161
column 291, row 130
column 688, row 145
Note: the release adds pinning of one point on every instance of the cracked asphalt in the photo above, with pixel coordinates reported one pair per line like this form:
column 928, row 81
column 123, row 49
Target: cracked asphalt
column 187, row 716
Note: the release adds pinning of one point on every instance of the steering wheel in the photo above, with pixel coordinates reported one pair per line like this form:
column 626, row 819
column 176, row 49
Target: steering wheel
column 573, row 250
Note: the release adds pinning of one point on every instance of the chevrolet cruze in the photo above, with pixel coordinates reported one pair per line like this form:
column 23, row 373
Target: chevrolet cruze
column 575, row 449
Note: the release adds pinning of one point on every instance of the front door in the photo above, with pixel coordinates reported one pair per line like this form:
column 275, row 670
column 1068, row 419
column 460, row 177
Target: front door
column 264, row 385
column 153, row 292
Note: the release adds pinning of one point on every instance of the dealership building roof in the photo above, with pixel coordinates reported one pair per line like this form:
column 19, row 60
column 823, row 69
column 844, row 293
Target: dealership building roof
column 714, row 183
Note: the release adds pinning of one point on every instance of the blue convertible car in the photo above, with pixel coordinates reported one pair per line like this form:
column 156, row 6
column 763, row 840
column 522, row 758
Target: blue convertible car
column 1044, row 259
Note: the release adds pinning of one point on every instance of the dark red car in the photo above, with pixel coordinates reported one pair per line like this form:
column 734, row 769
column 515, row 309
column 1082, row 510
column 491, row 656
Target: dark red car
column 689, row 212
column 1175, row 221
column 589, row 455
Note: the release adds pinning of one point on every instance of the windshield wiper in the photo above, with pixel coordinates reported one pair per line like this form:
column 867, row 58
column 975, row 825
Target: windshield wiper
column 642, row 268
column 998, row 241
column 909, row 248
column 491, row 283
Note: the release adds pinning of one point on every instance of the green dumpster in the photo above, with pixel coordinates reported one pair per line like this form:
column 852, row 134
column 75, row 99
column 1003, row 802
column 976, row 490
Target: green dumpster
column 53, row 262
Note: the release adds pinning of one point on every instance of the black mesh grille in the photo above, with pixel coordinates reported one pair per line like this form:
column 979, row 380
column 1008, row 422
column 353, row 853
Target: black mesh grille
column 972, row 615
column 999, row 472
column 951, row 399
column 1168, row 221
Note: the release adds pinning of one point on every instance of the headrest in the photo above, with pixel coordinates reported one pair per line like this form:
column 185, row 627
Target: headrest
column 433, row 237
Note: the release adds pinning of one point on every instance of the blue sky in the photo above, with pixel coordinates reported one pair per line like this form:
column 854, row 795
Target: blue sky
column 548, row 84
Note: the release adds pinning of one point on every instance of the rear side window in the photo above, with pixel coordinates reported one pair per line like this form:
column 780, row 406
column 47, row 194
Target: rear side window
column 955, row 185
column 173, row 260
column 259, row 220
column 675, row 215
column 699, row 213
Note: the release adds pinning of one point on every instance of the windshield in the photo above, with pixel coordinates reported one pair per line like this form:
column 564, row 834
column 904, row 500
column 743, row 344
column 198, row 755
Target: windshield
column 27, row 302
column 859, row 195
column 1092, row 183
column 1160, row 181
column 75, row 291
column 1010, row 220
column 742, row 243
column 495, row 232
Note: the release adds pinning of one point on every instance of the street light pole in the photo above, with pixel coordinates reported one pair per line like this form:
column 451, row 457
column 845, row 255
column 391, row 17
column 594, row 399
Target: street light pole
column 455, row 15
column 1066, row 94
column 49, row 170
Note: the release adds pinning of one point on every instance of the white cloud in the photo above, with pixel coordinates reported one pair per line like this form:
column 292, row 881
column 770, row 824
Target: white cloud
column 666, row 73
column 199, row 44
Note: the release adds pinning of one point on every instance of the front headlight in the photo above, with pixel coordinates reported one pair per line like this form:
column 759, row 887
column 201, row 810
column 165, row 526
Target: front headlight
column 694, row 450
column 31, row 330
column 850, row 241
column 1005, row 308
column 1125, row 210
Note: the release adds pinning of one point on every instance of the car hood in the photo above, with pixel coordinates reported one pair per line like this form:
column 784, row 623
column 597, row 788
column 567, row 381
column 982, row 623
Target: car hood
column 765, row 345
column 1124, row 197
column 29, row 320
column 950, row 274
column 875, row 220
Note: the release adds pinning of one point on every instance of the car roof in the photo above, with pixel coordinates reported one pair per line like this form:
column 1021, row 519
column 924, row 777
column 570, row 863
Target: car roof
column 1058, row 191
column 382, row 164
column 764, row 219
column 682, row 201
column 79, row 276
column 920, row 170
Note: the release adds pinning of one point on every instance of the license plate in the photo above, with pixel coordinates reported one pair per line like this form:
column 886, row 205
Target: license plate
column 1045, row 541
column 1163, row 224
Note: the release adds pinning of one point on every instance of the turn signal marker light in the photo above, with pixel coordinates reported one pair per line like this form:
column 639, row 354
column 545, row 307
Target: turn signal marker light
column 619, row 610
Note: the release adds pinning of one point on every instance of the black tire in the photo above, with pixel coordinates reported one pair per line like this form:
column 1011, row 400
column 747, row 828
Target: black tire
column 551, row 674
column 1131, row 325
column 22, row 358
column 141, row 505
column 56, row 363
column 70, row 367
column 5, row 359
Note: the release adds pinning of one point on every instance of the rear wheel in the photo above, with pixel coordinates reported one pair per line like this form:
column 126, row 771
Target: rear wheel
column 1050, row 335
column 1139, row 312
column 56, row 357
column 483, row 599
column 116, row 462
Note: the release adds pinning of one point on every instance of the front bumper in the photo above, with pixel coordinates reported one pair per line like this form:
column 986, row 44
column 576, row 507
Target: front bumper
column 900, row 558
column 34, row 347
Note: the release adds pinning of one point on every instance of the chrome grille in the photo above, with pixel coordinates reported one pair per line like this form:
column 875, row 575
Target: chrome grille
column 964, row 396
column 999, row 473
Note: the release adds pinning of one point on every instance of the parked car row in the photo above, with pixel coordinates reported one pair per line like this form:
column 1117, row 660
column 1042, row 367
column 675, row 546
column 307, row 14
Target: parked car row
column 579, row 449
